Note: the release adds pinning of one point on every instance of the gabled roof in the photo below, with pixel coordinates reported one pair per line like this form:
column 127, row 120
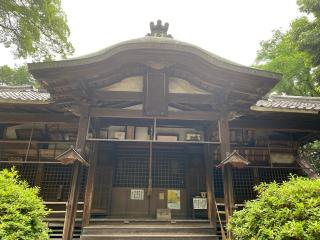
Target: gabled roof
column 296, row 104
column 79, row 78
column 235, row 159
column 24, row 94
column 70, row 156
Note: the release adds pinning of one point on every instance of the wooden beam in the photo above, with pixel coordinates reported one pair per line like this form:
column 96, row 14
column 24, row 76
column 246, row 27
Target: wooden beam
column 226, row 169
column 126, row 113
column 71, row 209
column 118, row 96
column 191, row 98
column 90, row 185
column 7, row 117
column 138, row 97
column 294, row 124
column 212, row 213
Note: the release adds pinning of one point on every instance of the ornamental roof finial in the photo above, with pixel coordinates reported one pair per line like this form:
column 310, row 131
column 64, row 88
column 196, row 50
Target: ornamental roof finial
column 159, row 30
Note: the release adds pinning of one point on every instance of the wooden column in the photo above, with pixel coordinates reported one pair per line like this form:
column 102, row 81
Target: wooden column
column 90, row 185
column 212, row 213
column 226, row 170
column 71, row 209
column 39, row 176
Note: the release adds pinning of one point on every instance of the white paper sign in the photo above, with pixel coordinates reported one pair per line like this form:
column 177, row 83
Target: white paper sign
column 137, row 194
column 200, row 203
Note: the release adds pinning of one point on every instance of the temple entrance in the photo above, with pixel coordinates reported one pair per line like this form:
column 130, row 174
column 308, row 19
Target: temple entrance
column 134, row 196
column 123, row 188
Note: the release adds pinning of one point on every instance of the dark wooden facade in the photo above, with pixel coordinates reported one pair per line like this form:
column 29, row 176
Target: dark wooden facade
column 152, row 114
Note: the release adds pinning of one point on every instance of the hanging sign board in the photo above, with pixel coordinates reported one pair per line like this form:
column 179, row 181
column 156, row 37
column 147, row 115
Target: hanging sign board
column 137, row 194
column 200, row 203
column 174, row 199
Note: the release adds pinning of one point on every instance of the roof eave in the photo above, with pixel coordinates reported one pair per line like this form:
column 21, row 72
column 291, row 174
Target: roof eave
column 283, row 110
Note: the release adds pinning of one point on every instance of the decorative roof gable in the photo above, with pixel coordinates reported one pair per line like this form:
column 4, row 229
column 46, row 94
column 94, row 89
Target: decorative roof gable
column 235, row 159
column 70, row 156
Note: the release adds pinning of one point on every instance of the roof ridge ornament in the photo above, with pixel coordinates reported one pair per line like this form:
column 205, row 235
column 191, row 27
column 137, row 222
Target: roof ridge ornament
column 159, row 30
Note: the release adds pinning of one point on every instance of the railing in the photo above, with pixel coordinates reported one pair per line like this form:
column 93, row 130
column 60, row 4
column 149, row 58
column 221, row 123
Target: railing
column 56, row 220
column 61, row 203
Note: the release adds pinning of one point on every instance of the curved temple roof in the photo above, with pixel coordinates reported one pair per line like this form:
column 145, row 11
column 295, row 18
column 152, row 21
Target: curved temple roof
column 79, row 79
column 160, row 43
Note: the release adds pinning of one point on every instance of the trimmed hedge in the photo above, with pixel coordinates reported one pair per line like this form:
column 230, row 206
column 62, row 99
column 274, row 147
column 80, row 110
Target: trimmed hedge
column 288, row 211
column 21, row 209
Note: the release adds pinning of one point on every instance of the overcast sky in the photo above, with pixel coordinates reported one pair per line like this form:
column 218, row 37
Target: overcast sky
column 229, row 28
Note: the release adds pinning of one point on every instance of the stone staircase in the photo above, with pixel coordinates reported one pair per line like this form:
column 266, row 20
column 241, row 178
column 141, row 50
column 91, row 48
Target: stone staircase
column 103, row 229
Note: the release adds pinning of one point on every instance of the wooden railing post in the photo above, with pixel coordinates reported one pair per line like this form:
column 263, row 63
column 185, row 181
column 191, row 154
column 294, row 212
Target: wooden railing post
column 90, row 185
column 71, row 209
column 212, row 212
column 226, row 169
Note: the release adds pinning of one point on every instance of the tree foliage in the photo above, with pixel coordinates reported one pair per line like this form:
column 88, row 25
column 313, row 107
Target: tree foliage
column 33, row 28
column 311, row 152
column 307, row 30
column 295, row 53
column 281, row 212
column 21, row 210
column 16, row 76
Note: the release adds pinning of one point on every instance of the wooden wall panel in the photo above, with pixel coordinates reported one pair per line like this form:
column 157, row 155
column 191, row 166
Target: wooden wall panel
column 156, row 94
column 122, row 205
column 103, row 182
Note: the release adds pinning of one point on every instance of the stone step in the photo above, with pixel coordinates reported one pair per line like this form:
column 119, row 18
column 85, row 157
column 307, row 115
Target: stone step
column 150, row 236
column 187, row 222
column 146, row 229
column 125, row 229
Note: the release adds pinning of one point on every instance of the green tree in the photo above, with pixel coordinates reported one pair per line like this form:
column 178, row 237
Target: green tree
column 21, row 210
column 281, row 212
column 282, row 54
column 33, row 28
column 311, row 152
column 295, row 53
column 307, row 30
column 16, row 76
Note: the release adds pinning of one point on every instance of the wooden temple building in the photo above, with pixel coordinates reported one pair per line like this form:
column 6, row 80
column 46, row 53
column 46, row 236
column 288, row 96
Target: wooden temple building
column 152, row 138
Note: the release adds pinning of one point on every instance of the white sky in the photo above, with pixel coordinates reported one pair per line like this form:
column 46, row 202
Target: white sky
column 229, row 28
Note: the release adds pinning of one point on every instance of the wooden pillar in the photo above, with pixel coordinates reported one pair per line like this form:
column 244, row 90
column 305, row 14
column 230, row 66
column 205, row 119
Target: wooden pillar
column 90, row 185
column 226, row 169
column 212, row 212
column 71, row 209
column 39, row 176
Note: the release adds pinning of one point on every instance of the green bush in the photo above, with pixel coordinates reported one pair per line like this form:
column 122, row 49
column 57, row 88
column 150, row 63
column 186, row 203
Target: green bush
column 290, row 211
column 21, row 209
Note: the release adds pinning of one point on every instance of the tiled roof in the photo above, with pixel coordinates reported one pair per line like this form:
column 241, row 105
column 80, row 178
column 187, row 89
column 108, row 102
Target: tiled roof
column 23, row 94
column 276, row 103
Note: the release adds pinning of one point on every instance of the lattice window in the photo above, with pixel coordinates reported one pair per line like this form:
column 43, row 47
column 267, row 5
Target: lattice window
column 27, row 172
column 218, row 182
column 56, row 182
column 168, row 169
column 243, row 183
column 131, row 169
column 276, row 174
